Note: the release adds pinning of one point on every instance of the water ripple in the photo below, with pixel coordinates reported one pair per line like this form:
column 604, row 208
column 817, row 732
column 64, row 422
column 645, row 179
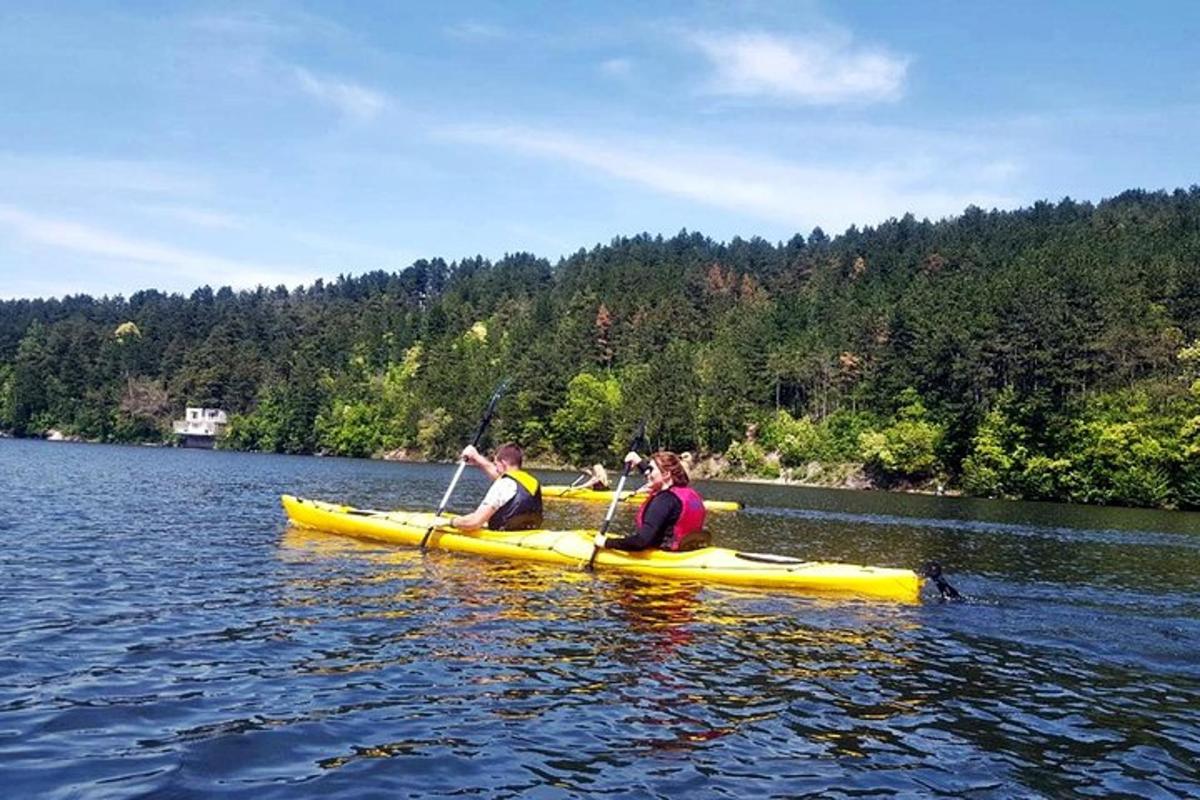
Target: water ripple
column 165, row 635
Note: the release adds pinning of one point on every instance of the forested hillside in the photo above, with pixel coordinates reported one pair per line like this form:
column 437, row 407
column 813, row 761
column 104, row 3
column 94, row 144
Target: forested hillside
column 1050, row 352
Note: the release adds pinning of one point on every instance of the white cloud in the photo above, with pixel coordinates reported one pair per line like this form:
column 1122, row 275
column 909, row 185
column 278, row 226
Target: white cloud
column 476, row 31
column 351, row 99
column 32, row 173
column 199, row 217
column 796, row 194
column 96, row 242
column 617, row 67
column 246, row 24
column 282, row 24
column 827, row 70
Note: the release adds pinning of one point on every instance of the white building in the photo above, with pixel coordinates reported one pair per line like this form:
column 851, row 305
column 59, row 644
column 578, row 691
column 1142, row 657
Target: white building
column 200, row 427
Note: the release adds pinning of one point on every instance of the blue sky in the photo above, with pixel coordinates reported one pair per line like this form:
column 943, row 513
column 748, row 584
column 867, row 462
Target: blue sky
column 170, row 145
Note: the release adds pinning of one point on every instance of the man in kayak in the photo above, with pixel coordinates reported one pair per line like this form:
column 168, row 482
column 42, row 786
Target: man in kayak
column 672, row 517
column 514, row 500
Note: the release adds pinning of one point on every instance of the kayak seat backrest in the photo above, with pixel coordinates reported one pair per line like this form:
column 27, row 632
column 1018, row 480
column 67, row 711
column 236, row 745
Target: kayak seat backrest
column 694, row 541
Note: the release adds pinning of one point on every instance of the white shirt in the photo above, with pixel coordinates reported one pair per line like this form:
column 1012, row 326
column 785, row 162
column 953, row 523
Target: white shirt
column 500, row 492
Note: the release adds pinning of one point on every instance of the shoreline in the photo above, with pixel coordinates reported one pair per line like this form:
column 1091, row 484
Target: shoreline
column 708, row 468
column 857, row 486
column 862, row 484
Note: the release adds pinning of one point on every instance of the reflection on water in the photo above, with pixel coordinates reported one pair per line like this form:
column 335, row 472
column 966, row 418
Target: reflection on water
column 634, row 666
column 165, row 635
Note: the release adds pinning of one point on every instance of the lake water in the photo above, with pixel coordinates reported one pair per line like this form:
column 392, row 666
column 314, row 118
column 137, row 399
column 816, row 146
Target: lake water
column 164, row 634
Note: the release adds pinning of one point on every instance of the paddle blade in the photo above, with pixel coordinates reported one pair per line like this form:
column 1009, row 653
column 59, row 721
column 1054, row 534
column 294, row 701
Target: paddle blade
column 490, row 411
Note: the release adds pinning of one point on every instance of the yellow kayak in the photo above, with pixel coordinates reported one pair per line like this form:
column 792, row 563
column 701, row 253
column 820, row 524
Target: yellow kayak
column 585, row 495
column 574, row 547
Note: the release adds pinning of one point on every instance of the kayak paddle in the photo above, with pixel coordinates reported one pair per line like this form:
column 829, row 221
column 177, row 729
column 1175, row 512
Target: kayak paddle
column 933, row 571
column 462, row 462
column 638, row 435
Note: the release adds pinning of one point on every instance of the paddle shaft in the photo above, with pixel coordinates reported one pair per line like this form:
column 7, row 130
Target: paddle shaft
column 462, row 463
column 612, row 506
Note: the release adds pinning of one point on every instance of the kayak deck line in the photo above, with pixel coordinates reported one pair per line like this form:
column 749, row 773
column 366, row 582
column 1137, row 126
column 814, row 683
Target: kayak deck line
column 583, row 494
column 717, row 565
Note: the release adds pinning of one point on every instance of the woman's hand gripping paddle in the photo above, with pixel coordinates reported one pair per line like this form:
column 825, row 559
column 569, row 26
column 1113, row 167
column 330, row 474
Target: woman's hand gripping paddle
column 612, row 506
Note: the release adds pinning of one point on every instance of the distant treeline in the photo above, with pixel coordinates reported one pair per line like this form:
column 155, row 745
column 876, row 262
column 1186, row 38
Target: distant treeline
column 1049, row 352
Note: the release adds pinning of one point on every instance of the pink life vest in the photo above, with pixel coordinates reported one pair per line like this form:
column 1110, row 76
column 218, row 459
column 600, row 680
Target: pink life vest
column 691, row 518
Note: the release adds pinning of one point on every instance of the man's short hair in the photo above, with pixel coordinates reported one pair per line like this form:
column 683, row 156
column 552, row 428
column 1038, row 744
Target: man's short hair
column 511, row 454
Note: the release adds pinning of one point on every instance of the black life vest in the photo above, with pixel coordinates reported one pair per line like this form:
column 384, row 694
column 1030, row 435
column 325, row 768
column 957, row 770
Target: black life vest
column 524, row 511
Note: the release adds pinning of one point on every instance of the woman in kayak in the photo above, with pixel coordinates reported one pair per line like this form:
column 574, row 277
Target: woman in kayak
column 672, row 517
column 514, row 500
column 594, row 477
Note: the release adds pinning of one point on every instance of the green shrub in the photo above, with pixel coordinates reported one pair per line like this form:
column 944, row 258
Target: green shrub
column 431, row 432
column 798, row 441
column 1122, row 462
column 534, row 438
column 994, row 464
column 1041, row 478
column 842, row 430
column 905, row 449
column 748, row 458
column 1188, row 486
column 350, row 429
column 583, row 429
